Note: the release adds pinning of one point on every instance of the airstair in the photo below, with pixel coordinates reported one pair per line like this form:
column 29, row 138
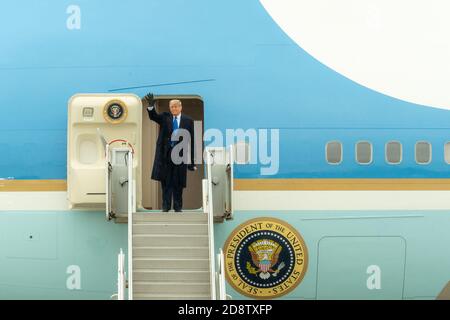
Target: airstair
column 171, row 255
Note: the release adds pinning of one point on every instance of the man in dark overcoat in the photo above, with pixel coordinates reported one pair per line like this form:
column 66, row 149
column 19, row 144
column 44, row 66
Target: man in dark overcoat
column 174, row 153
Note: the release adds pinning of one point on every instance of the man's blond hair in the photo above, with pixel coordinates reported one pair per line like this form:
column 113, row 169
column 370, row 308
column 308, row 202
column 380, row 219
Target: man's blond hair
column 175, row 101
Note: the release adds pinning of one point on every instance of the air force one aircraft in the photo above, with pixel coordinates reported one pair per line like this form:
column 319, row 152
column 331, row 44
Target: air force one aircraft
column 326, row 143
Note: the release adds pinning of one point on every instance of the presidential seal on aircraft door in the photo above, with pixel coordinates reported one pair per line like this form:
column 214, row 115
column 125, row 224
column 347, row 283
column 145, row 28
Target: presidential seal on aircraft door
column 265, row 258
column 115, row 111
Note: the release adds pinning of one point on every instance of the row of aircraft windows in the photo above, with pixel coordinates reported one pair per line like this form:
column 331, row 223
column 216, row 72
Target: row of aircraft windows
column 393, row 152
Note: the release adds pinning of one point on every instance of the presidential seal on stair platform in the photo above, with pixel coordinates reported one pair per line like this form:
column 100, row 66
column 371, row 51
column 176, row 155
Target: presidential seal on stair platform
column 265, row 258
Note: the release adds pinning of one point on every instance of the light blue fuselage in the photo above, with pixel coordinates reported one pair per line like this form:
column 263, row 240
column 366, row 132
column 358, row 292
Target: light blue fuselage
column 250, row 75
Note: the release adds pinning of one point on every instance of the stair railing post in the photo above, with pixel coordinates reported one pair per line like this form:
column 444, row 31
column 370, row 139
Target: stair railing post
column 131, row 199
column 121, row 276
column 212, row 269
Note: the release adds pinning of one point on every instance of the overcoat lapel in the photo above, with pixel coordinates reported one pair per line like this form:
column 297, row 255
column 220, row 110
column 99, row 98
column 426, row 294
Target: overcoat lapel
column 170, row 120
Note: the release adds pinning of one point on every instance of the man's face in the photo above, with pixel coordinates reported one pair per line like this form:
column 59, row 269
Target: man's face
column 175, row 108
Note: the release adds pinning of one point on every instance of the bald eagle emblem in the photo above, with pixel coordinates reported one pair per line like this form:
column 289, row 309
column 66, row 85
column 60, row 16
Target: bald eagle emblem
column 115, row 111
column 264, row 255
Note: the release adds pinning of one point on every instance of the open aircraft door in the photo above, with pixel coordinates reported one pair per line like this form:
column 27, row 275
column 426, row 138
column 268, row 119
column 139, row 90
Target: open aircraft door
column 103, row 130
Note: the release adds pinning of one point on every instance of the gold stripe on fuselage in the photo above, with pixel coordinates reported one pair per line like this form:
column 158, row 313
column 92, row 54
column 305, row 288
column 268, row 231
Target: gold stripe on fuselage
column 334, row 184
column 32, row 185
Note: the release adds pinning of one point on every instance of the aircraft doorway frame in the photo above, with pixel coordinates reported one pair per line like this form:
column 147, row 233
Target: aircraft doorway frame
column 193, row 105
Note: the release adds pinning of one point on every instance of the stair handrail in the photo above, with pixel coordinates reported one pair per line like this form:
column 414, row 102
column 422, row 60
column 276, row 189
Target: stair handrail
column 209, row 202
column 221, row 286
column 121, row 276
column 131, row 199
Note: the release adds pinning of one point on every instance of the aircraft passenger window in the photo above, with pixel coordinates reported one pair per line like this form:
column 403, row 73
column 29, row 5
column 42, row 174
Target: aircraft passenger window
column 333, row 152
column 447, row 152
column 393, row 152
column 364, row 152
column 423, row 152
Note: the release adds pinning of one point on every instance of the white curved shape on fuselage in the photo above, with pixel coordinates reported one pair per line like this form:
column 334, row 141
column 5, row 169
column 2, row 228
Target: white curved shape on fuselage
column 400, row 48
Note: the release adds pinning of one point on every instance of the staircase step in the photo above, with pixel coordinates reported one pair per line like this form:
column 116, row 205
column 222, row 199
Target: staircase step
column 169, row 240
column 171, row 252
column 195, row 216
column 170, row 275
column 149, row 287
column 164, row 263
column 121, row 218
column 144, row 227
column 170, row 256
column 177, row 296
